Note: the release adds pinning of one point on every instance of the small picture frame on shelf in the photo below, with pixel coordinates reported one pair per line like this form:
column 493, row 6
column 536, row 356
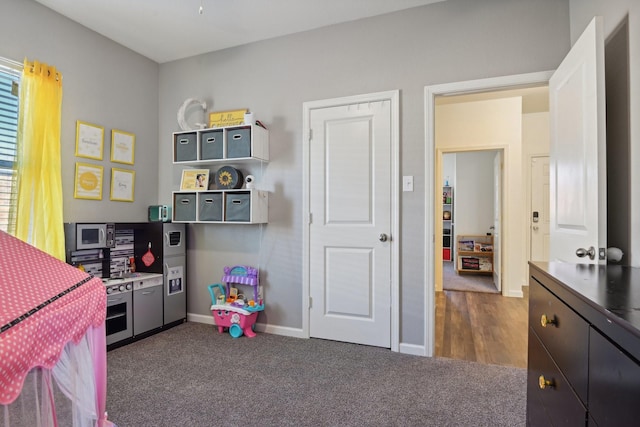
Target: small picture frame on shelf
column 194, row 179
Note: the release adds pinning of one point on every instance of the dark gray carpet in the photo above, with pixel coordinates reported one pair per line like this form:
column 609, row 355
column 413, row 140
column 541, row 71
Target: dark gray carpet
column 191, row 375
column 466, row 282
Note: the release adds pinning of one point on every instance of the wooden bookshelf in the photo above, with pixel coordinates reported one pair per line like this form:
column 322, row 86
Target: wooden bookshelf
column 474, row 254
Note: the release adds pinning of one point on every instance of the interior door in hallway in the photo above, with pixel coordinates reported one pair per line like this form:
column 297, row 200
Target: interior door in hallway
column 350, row 222
column 539, row 215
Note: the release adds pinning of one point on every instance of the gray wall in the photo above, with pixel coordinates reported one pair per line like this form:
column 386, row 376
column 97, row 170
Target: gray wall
column 446, row 42
column 104, row 84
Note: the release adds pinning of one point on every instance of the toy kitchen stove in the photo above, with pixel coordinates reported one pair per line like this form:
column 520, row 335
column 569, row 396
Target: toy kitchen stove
column 119, row 320
column 134, row 305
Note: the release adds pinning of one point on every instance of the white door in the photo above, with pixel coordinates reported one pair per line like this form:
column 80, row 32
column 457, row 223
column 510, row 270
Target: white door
column 497, row 220
column 539, row 215
column 350, row 215
column 577, row 157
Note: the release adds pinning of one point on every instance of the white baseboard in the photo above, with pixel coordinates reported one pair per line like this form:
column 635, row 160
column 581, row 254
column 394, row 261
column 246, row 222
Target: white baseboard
column 416, row 350
column 413, row 349
column 514, row 293
column 280, row 330
column 260, row 327
column 200, row 318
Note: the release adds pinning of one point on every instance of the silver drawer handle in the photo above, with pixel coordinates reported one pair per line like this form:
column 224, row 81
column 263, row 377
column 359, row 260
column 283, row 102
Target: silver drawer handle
column 185, row 201
column 184, row 141
column 210, row 140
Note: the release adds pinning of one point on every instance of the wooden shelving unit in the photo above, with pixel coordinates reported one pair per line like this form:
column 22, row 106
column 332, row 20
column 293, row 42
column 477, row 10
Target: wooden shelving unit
column 474, row 254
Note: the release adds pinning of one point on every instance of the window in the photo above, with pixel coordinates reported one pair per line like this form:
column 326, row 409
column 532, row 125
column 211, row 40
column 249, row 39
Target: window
column 9, row 93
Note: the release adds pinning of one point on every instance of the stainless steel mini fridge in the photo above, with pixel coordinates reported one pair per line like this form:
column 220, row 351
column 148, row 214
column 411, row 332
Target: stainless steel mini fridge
column 160, row 247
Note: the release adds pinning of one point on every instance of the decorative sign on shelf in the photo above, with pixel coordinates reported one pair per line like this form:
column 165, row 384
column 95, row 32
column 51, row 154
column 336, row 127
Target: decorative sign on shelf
column 227, row 118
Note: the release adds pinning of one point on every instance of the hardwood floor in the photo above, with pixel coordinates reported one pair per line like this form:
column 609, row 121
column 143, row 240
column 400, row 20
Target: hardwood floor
column 482, row 327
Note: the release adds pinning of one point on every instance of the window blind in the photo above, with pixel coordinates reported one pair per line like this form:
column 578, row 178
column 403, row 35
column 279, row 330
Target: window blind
column 9, row 95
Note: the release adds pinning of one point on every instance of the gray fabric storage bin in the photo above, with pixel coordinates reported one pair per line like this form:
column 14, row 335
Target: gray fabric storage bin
column 238, row 207
column 185, row 147
column 239, row 143
column 211, row 144
column 210, row 207
column 184, row 207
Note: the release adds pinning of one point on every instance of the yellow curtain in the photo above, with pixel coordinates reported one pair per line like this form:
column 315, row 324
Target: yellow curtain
column 39, row 182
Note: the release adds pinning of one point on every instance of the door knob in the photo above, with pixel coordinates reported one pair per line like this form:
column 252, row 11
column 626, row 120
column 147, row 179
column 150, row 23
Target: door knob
column 383, row 237
column 582, row 252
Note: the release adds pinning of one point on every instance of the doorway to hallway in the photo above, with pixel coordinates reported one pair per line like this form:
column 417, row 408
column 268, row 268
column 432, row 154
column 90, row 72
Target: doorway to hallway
column 474, row 186
column 509, row 137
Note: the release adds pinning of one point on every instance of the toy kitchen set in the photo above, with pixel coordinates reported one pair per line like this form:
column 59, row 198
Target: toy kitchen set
column 143, row 267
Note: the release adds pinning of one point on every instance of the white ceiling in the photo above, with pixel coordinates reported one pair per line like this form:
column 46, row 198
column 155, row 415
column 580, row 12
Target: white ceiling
column 166, row 30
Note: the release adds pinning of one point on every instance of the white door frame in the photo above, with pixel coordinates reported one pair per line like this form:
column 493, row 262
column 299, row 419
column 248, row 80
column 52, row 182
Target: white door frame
column 394, row 98
column 430, row 93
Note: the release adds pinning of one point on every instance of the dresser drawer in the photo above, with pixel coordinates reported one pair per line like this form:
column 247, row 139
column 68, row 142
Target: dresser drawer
column 548, row 388
column 564, row 334
column 614, row 384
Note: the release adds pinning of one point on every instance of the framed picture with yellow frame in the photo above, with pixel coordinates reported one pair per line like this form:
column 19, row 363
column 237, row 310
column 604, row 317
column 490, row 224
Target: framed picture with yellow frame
column 88, row 181
column 89, row 140
column 122, row 184
column 122, row 147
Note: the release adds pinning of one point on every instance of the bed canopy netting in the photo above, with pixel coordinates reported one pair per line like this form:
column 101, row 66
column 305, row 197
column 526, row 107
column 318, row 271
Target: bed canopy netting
column 52, row 341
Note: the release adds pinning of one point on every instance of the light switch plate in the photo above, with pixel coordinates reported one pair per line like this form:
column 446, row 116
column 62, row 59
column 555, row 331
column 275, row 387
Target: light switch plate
column 407, row 183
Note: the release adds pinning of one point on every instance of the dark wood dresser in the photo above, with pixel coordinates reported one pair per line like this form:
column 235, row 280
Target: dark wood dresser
column 584, row 345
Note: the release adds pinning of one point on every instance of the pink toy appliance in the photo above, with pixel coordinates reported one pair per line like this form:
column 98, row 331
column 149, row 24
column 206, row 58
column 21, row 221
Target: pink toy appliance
column 232, row 311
